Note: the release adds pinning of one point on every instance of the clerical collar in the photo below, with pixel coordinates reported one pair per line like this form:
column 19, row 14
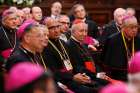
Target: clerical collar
column 75, row 39
column 54, row 40
column 83, row 20
column 27, row 50
column 8, row 29
column 54, row 16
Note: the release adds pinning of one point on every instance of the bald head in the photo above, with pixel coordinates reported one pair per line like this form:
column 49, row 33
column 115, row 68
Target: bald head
column 79, row 31
column 119, row 13
column 76, row 27
column 54, row 28
column 36, row 13
column 51, row 22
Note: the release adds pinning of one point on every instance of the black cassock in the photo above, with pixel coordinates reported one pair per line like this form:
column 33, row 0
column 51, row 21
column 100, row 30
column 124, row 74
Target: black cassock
column 79, row 55
column 115, row 55
column 19, row 55
column 56, row 65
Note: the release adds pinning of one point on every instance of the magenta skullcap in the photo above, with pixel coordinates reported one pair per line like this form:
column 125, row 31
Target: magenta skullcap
column 127, row 17
column 116, row 88
column 22, row 28
column 6, row 13
column 134, row 66
column 22, row 74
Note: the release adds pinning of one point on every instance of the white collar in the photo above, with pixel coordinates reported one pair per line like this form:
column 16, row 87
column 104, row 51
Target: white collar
column 75, row 39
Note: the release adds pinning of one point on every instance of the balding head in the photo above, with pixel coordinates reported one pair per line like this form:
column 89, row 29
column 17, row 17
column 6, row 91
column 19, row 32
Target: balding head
column 36, row 13
column 119, row 13
column 79, row 31
column 54, row 28
column 51, row 22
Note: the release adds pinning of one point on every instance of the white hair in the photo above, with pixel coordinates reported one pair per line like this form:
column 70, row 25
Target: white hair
column 119, row 10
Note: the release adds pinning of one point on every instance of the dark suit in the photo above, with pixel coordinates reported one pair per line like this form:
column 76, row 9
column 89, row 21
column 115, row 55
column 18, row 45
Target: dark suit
column 92, row 29
column 108, row 30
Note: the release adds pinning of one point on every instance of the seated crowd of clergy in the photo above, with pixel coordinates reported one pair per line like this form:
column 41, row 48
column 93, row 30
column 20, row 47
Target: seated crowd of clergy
column 68, row 54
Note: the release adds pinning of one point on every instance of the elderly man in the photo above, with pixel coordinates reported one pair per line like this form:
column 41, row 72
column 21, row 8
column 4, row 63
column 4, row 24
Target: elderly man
column 27, row 12
column 56, row 56
column 8, row 38
column 33, row 40
column 21, row 17
column 56, row 9
column 120, row 47
column 114, row 26
column 37, row 14
column 65, row 31
column 130, row 11
column 81, row 57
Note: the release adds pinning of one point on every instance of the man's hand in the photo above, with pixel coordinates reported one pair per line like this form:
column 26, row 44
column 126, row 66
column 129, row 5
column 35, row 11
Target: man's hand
column 102, row 75
column 82, row 78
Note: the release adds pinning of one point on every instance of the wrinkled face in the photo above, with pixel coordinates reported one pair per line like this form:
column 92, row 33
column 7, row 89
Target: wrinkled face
column 54, row 30
column 80, row 32
column 11, row 21
column 46, row 34
column 37, row 14
column 119, row 17
column 130, row 13
column 20, row 17
column 36, row 39
column 56, row 9
column 131, row 28
column 27, row 13
column 65, row 22
column 80, row 12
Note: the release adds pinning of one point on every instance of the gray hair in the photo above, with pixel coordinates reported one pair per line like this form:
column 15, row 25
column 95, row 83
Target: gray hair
column 75, row 26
